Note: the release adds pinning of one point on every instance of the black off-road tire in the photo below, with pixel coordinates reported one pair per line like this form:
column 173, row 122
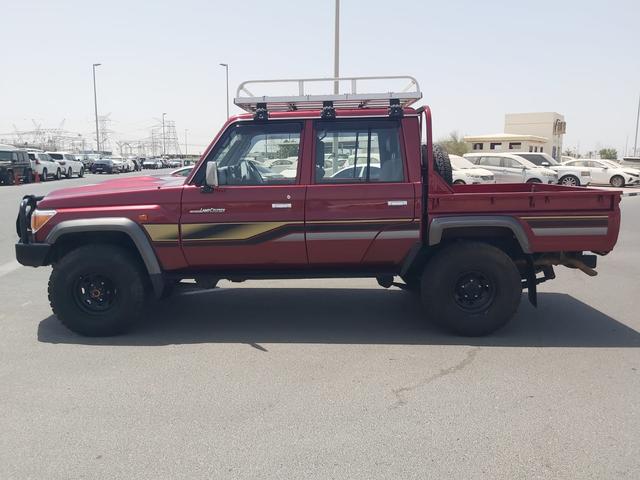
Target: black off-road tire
column 128, row 290
column 442, row 163
column 457, row 265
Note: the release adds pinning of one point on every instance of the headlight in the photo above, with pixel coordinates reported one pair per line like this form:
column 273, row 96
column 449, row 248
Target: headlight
column 39, row 218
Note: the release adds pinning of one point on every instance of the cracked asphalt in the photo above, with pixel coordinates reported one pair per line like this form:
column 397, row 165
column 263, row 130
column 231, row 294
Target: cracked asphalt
column 323, row 379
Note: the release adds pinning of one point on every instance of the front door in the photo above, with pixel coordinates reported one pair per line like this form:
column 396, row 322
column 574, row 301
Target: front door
column 255, row 217
column 360, row 206
column 513, row 170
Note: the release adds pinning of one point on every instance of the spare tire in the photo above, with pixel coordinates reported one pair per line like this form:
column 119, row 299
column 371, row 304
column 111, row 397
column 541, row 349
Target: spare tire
column 441, row 162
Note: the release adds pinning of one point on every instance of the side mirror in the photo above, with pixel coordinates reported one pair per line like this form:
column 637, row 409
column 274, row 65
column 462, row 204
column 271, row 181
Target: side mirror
column 211, row 175
column 545, row 164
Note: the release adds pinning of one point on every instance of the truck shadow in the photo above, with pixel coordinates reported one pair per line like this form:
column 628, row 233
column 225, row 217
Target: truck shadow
column 347, row 316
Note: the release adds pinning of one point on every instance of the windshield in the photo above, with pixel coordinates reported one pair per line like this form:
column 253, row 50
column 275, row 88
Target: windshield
column 611, row 163
column 459, row 163
column 56, row 156
column 538, row 158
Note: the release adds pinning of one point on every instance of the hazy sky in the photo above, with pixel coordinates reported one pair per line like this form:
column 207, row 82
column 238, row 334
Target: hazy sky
column 475, row 60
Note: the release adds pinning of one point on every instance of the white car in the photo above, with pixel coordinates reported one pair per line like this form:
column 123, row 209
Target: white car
column 45, row 166
column 511, row 168
column 607, row 171
column 277, row 165
column 119, row 164
column 569, row 175
column 70, row 165
column 466, row 173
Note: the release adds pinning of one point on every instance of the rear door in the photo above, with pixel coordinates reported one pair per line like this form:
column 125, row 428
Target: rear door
column 255, row 217
column 360, row 207
column 494, row 165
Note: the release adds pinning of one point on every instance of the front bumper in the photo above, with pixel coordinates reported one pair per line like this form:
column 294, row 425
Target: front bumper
column 32, row 254
column 29, row 253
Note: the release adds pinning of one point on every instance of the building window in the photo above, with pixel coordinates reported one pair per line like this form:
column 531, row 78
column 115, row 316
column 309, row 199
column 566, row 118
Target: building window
column 541, row 149
column 515, row 145
column 495, row 145
column 478, row 146
column 530, row 148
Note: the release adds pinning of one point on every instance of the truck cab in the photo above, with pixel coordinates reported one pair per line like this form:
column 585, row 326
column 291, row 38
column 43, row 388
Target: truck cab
column 365, row 193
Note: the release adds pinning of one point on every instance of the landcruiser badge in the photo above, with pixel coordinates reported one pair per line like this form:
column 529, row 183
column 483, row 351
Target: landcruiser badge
column 208, row 210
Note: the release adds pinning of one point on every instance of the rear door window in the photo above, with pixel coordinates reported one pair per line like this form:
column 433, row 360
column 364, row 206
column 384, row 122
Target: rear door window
column 358, row 151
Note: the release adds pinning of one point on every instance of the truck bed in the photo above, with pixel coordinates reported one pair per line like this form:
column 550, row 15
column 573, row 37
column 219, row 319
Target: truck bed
column 554, row 217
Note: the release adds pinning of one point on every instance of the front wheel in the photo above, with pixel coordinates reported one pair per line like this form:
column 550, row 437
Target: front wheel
column 534, row 180
column 44, row 175
column 69, row 173
column 97, row 290
column 81, row 173
column 570, row 181
column 617, row 181
column 58, row 175
column 471, row 288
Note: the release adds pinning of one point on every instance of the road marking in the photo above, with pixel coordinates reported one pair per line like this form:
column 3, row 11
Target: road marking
column 9, row 267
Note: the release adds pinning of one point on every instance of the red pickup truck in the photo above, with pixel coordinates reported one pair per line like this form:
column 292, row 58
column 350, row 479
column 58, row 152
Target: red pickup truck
column 309, row 186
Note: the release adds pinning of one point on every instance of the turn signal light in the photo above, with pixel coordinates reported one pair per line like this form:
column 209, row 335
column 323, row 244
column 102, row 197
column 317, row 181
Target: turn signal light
column 39, row 218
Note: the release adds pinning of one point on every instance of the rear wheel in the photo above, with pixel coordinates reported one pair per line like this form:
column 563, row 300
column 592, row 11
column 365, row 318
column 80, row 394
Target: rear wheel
column 97, row 290
column 570, row 181
column 459, row 182
column 534, row 180
column 58, row 175
column 81, row 173
column 69, row 173
column 44, row 175
column 471, row 288
column 617, row 181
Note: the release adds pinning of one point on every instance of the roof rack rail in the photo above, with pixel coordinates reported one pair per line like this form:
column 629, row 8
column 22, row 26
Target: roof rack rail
column 304, row 100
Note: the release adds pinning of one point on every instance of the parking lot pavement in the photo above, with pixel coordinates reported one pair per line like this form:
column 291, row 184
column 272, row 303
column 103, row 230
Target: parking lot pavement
column 324, row 379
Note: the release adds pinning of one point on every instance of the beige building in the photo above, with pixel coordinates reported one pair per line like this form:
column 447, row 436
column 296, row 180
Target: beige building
column 550, row 125
column 506, row 142
column 525, row 132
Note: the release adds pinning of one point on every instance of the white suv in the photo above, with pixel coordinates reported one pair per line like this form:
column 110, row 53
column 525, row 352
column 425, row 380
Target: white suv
column 570, row 175
column 45, row 166
column 510, row 168
column 466, row 173
column 70, row 165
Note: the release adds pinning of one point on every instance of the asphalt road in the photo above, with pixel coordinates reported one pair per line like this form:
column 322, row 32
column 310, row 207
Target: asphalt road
column 323, row 379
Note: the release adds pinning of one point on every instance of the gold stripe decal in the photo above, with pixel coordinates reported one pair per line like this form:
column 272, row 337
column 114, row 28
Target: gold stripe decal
column 162, row 232
column 228, row 231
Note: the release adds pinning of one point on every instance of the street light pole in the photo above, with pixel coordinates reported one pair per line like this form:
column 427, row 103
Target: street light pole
column 635, row 143
column 164, row 151
column 95, row 104
column 226, row 67
column 336, row 49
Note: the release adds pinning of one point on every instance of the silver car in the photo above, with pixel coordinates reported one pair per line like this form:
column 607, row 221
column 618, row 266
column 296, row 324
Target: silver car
column 511, row 168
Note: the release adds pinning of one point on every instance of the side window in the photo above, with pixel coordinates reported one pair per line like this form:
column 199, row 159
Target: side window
column 258, row 154
column 491, row 161
column 509, row 163
column 358, row 151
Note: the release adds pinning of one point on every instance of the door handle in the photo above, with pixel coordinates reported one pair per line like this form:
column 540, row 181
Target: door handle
column 280, row 205
column 397, row 203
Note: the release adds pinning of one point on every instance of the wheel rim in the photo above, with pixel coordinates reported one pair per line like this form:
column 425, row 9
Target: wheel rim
column 95, row 293
column 569, row 181
column 617, row 181
column 473, row 291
